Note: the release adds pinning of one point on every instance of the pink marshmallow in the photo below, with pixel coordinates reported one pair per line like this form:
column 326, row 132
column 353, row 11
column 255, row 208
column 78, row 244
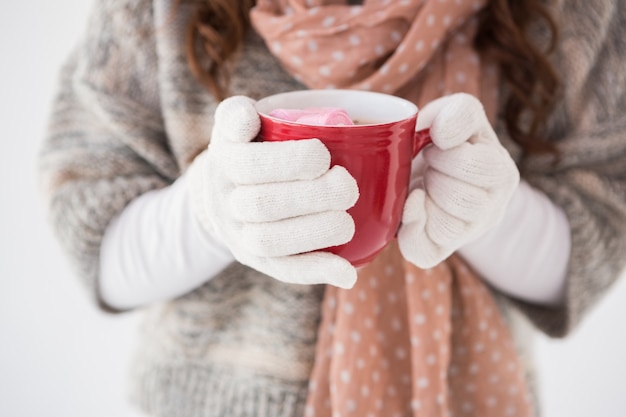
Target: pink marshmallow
column 326, row 116
column 287, row 114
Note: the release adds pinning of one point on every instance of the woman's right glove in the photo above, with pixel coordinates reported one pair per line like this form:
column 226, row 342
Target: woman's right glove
column 273, row 204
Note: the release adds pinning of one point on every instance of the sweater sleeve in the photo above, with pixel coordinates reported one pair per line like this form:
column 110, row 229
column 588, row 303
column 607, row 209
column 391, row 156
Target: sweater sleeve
column 588, row 177
column 105, row 143
column 594, row 201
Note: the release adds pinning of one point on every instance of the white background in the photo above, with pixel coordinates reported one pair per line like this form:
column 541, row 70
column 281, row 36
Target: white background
column 60, row 357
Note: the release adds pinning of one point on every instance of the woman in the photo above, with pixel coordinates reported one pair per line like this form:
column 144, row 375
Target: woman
column 225, row 331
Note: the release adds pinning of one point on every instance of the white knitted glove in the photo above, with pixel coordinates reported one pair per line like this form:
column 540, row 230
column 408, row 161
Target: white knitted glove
column 468, row 180
column 274, row 203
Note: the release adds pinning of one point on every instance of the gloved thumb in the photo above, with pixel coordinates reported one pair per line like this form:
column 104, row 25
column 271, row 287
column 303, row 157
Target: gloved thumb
column 455, row 119
column 429, row 112
column 236, row 121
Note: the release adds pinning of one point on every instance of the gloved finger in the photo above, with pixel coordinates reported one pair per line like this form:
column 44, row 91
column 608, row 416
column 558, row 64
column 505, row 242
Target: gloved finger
column 441, row 228
column 336, row 190
column 456, row 119
column 309, row 269
column 417, row 248
column 236, row 121
column 478, row 164
column 298, row 234
column 457, row 198
column 415, row 243
column 414, row 207
column 264, row 162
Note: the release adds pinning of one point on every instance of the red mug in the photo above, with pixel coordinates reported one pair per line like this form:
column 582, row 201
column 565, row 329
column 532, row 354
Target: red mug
column 377, row 151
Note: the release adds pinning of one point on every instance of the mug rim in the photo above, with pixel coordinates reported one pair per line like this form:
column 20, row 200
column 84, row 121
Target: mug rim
column 411, row 109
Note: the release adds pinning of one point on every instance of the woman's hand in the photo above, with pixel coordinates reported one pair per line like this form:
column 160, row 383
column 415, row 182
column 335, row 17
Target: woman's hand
column 274, row 204
column 468, row 180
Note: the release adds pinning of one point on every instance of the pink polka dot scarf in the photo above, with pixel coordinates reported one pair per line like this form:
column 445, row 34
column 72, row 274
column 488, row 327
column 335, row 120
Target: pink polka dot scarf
column 403, row 341
column 411, row 342
column 418, row 49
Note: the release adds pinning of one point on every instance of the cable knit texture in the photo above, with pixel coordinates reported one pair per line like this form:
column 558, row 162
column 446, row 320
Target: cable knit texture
column 129, row 117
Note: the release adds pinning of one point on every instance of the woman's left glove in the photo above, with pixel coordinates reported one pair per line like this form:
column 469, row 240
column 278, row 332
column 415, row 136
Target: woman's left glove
column 468, row 180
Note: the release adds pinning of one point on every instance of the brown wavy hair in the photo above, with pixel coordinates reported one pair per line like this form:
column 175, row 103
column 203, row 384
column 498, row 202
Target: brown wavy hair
column 532, row 81
column 217, row 29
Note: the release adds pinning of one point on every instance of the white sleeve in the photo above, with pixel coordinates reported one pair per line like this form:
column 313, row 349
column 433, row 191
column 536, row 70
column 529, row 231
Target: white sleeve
column 526, row 255
column 155, row 250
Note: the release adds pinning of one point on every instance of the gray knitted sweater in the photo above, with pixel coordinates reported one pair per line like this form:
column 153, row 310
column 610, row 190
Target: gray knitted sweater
column 129, row 117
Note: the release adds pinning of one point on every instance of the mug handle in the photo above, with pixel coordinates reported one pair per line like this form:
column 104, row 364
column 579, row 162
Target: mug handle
column 420, row 140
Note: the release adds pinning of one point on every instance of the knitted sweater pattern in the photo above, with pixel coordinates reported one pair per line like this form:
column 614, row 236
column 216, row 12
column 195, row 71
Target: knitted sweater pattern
column 129, row 118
